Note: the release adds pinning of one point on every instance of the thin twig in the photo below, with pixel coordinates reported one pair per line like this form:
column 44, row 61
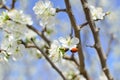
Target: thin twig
column 60, row 10
column 77, row 34
column 95, row 32
column 39, row 33
column 27, row 45
column 86, row 23
column 5, row 30
column 83, row 25
column 5, row 7
column 109, row 45
column 71, row 33
column 13, row 4
column 48, row 59
column 2, row 50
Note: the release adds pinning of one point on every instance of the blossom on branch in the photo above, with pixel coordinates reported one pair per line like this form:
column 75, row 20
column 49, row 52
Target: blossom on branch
column 97, row 13
column 44, row 10
column 13, row 25
column 69, row 42
column 19, row 17
column 59, row 47
column 46, row 13
column 3, row 18
column 55, row 51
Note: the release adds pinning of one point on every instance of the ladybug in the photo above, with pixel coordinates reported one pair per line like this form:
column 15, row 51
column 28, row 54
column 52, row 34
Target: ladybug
column 73, row 50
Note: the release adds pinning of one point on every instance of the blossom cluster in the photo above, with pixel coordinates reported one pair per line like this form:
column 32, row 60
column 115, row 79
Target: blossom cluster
column 46, row 13
column 97, row 13
column 58, row 47
column 44, row 10
column 13, row 28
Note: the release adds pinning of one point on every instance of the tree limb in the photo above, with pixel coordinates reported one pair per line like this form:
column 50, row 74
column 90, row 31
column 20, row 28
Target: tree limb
column 13, row 4
column 97, row 45
column 77, row 34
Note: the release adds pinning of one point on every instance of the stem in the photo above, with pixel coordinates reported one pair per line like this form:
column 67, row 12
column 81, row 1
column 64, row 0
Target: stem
column 5, row 7
column 77, row 34
column 109, row 45
column 26, row 45
column 97, row 45
column 60, row 10
column 83, row 25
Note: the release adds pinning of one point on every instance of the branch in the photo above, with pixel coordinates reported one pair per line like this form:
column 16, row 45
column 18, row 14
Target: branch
column 2, row 50
column 5, row 7
column 83, row 25
column 48, row 59
column 13, row 4
column 86, row 23
column 77, row 34
column 39, row 33
column 60, row 10
column 26, row 45
column 71, row 33
column 98, row 46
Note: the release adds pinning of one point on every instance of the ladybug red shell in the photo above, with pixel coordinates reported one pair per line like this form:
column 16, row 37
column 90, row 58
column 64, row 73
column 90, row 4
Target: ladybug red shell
column 73, row 50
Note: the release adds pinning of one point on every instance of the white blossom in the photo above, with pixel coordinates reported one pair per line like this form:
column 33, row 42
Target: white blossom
column 3, row 18
column 44, row 9
column 3, row 57
column 19, row 16
column 48, row 24
column 50, row 29
column 11, row 50
column 13, row 31
column 69, row 42
column 55, row 53
column 18, row 31
column 45, row 12
column 97, row 13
